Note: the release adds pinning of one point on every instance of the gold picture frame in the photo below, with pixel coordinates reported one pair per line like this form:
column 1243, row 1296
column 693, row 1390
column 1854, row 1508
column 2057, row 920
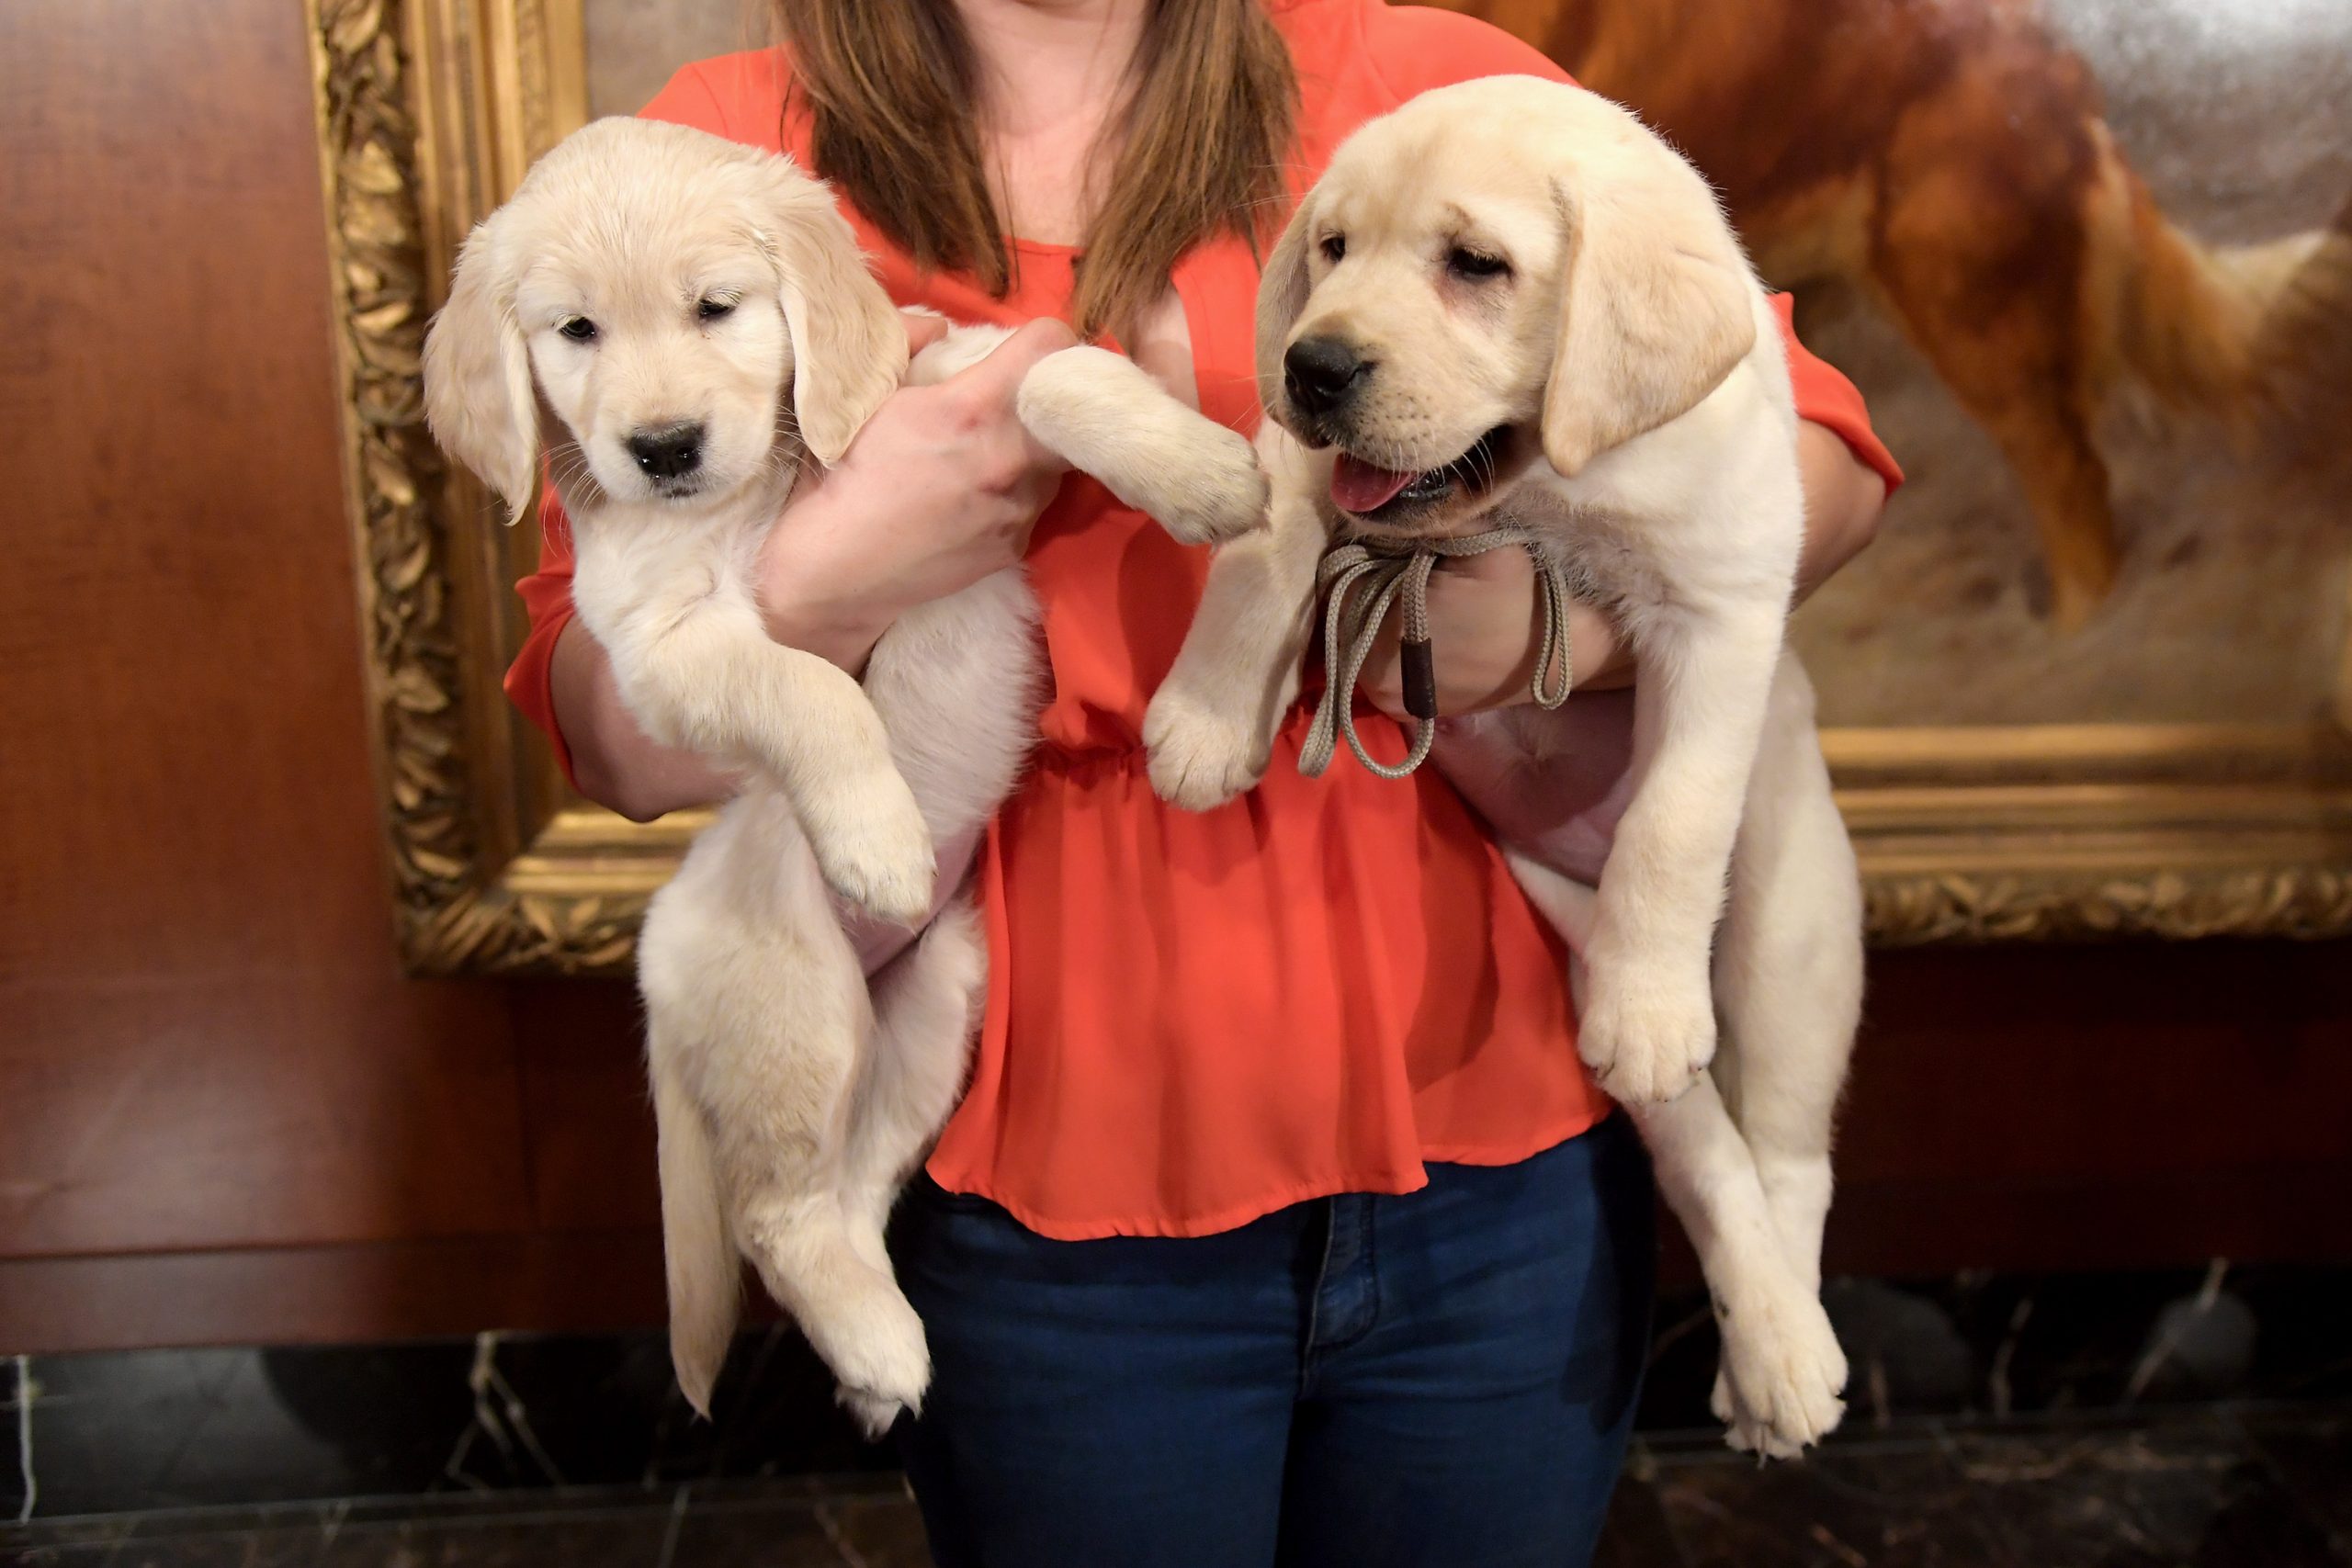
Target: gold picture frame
column 428, row 113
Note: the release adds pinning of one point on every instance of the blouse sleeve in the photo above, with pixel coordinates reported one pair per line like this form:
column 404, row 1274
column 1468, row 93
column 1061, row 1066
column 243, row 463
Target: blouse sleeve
column 546, row 604
column 1826, row 399
column 1416, row 47
column 547, row 592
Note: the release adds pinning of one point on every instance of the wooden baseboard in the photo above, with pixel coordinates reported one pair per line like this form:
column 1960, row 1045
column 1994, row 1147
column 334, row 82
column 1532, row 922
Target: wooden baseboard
column 607, row 1280
column 587, row 1282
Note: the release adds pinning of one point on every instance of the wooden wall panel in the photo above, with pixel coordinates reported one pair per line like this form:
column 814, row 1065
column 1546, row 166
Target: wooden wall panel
column 2050, row 1108
column 591, row 1145
column 204, row 1041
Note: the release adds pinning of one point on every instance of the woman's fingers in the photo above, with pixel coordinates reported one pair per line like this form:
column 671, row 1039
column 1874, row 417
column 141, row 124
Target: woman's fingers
column 989, row 389
column 997, row 377
column 1482, row 636
column 986, row 397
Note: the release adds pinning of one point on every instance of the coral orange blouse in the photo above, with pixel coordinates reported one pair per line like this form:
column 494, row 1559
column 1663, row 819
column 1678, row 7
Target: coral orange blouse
column 1195, row 1019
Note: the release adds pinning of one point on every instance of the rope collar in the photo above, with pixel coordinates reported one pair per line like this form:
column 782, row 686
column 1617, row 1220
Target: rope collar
column 1360, row 582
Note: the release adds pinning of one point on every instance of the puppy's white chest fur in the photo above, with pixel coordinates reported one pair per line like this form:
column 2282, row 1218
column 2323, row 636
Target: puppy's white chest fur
column 1701, row 515
column 643, row 571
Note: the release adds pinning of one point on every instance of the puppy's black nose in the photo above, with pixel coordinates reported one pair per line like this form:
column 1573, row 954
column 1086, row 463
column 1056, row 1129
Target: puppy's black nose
column 1321, row 373
column 669, row 452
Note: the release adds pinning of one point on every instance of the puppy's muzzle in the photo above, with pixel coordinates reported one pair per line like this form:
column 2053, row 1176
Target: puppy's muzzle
column 1322, row 375
column 670, row 452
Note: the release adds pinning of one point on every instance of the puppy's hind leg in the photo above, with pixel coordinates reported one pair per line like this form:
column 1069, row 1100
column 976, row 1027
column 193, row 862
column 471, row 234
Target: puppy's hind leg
column 852, row 1312
column 1108, row 418
column 795, row 1223
column 1568, row 905
column 1783, row 1370
column 1781, row 1365
column 765, row 989
column 926, row 1004
column 1788, row 970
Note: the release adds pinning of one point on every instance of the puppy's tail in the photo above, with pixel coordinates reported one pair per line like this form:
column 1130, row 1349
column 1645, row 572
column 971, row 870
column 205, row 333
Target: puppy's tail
column 2240, row 333
column 698, row 1255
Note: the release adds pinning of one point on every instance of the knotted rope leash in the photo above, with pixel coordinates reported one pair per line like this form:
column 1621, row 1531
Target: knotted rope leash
column 1386, row 571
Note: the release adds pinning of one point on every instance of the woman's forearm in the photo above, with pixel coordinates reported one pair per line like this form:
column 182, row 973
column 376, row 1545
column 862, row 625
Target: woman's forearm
column 1843, row 496
column 615, row 764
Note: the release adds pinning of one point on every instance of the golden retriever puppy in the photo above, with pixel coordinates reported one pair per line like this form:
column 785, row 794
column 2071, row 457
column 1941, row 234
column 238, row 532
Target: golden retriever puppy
column 1508, row 304
column 684, row 322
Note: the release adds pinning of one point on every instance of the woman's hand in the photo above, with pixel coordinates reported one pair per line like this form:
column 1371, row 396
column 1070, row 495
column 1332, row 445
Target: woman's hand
column 1485, row 617
column 940, row 488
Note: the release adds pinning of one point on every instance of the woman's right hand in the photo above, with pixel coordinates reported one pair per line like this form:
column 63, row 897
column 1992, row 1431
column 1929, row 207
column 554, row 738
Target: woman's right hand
column 939, row 488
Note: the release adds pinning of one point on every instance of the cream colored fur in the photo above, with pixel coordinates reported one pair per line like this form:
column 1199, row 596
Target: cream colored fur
column 1630, row 358
column 793, row 1094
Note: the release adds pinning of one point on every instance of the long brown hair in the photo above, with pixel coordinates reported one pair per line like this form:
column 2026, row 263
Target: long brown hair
column 1201, row 139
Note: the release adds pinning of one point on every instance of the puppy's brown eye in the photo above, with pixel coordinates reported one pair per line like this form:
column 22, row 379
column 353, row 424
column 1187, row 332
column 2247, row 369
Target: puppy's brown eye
column 715, row 310
column 1464, row 263
column 1334, row 247
column 580, row 329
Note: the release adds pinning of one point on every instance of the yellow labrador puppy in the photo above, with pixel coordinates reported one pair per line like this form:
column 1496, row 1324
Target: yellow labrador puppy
column 1507, row 302
column 684, row 322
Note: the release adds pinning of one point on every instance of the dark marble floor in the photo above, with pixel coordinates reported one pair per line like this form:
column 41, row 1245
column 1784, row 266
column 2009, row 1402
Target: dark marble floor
column 139, row 1432
column 2195, row 1417
column 2223, row 1487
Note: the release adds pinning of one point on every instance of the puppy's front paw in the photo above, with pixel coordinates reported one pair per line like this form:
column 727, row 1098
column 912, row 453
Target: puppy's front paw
column 1783, row 1372
column 1201, row 756
column 1221, row 496
column 1646, row 1031
column 873, row 848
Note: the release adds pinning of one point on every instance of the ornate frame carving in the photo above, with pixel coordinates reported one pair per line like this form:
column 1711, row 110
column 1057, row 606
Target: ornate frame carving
column 429, row 111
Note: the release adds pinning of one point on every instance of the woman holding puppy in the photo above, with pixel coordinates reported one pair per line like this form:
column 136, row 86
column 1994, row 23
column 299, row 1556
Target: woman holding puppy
column 1280, row 1220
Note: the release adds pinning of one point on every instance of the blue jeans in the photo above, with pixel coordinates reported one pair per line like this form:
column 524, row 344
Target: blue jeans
column 1444, row 1378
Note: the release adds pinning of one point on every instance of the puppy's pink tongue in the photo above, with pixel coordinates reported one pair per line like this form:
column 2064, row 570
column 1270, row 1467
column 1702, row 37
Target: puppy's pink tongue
column 1358, row 487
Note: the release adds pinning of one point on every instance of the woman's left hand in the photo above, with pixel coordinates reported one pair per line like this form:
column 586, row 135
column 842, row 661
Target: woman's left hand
column 1485, row 617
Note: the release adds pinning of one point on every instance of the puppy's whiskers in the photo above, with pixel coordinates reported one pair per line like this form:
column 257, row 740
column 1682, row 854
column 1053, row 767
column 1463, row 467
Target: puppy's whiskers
column 566, row 463
column 1483, row 464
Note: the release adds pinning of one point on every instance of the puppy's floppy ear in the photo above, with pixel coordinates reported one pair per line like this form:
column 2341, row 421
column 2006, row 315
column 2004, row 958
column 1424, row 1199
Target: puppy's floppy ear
column 1656, row 308
column 849, row 351
column 478, row 393
column 1281, row 295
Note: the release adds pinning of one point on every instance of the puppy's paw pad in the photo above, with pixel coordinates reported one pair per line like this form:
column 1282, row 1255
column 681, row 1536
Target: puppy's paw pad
column 1646, row 1035
column 1199, row 757
column 897, row 889
column 876, row 853
column 1749, row 1438
column 1224, row 497
column 1784, row 1372
column 1722, row 1405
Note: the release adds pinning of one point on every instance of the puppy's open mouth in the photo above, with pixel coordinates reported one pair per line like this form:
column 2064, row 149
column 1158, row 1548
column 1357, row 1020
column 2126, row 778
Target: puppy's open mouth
column 1377, row 494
